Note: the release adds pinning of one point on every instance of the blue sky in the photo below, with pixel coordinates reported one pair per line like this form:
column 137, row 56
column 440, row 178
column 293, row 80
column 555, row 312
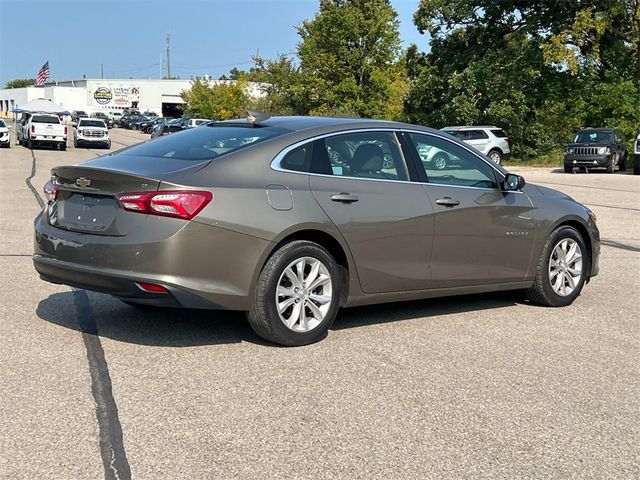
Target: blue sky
column 128, row 37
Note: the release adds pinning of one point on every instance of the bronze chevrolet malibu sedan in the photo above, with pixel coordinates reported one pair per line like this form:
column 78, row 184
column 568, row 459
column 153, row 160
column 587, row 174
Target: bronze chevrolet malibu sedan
column 291, row 218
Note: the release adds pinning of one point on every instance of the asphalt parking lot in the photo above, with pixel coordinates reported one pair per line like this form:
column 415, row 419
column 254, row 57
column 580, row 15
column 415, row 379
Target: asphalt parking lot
column 483, row 386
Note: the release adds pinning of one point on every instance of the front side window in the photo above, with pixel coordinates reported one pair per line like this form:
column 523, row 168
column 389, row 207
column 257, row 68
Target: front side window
column 373, row 155
column 446, row 163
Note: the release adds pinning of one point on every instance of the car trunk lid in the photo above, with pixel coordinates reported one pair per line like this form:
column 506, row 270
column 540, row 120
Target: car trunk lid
column 87, row 193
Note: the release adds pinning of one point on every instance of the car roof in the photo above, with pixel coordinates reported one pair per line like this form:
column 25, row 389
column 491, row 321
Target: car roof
column 597, row 130
column 471, row 127
column 300, row 123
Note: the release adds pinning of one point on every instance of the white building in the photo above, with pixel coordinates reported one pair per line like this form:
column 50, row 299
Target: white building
column 108, row 95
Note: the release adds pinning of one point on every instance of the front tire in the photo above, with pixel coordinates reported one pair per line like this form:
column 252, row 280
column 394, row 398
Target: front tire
column 561, row 270
column 297, row 295
column 612, row 165
column 568, row 169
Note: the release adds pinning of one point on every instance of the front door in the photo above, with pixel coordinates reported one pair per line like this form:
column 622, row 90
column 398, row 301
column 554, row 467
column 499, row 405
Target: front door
column 483, row 235
column 361, row 182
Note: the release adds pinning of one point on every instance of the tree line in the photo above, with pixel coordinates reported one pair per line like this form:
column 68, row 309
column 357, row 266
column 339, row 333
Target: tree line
column 539, row 69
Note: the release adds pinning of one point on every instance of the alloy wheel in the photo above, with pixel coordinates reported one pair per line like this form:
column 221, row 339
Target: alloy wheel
column 304, row 294
column 565, row 267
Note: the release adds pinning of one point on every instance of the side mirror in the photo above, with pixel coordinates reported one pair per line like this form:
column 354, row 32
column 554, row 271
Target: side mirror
column 513, row 182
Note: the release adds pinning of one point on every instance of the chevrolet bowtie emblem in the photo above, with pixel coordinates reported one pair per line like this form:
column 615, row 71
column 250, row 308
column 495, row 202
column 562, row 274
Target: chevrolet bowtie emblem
column 83, row 182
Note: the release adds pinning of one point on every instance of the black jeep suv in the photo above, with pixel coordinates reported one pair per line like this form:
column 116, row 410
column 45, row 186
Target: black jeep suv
column 596, row 148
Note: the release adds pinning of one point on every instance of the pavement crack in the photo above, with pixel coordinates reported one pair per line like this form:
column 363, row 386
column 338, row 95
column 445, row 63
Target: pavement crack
column 114, row 458
column 30, row 177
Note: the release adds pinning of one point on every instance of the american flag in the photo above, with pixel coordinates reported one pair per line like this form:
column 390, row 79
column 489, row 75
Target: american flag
column 43, row 74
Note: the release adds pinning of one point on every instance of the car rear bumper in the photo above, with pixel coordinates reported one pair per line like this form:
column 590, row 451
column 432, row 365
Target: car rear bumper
column 200, row 266
column 124, row 286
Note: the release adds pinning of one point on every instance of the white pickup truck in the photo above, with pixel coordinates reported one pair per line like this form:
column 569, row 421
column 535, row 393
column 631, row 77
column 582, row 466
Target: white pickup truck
column 42, row 129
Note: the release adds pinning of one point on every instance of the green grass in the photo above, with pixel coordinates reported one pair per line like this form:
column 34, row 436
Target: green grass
column 551, row 159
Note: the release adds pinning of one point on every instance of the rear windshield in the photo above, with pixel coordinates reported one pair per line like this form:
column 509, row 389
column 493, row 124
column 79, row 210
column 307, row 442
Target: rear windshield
column 593, row 137
column 91, row 123
column 205, row 143
column 45, row 119
column 499, row 133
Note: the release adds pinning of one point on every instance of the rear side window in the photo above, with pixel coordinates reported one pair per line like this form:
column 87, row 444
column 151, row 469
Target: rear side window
column 373, row 155
column 205, row 143
column 45, row 119
column 499, row 133
column 298, row 159
column 478, row 135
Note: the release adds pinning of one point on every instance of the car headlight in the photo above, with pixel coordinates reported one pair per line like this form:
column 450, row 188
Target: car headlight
column 603, row 150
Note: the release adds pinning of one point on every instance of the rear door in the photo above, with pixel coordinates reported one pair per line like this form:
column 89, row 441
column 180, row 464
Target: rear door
column 361, row 182
column 482, row 234
column 478, row 139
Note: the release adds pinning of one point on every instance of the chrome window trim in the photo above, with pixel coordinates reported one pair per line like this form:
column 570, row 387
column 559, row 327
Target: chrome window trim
column 275, row 163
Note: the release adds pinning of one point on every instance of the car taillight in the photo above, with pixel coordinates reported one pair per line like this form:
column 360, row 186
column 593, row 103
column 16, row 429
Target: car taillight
column 33, row 129
column 65, row 130
column 51, row 190
column 172, row 203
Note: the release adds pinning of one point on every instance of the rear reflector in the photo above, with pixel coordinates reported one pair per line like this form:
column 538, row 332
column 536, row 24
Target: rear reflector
column 172, row 203
column 151, row 287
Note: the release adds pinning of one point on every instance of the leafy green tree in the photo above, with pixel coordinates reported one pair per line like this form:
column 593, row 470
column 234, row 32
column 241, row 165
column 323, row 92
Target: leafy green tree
column 349, row 57
column 281, row 85
column 540, row 69
column 20, row 82
column 220, row 101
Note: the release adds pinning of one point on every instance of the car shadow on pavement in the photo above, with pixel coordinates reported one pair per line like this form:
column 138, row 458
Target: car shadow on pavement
column 168, row 327
column 159, row 327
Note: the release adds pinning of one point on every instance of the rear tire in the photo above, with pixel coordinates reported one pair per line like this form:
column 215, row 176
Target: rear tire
column 552, row 286
column 300, row 313
column 29, row 144
column 622, row 164
column 496, row 156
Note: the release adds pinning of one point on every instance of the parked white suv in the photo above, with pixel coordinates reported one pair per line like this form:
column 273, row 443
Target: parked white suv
column 491, row 141
column 91, row 131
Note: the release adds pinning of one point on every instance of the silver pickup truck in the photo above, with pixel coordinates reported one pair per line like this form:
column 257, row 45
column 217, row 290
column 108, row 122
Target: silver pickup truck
column 42, row 129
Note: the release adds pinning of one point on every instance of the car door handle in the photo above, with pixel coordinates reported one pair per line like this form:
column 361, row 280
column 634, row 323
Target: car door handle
column 447, row 202
column 344, row 198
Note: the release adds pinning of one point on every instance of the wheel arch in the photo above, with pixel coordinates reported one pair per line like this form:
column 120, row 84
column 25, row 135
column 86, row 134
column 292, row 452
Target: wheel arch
column 584, row 233
column 338, row 251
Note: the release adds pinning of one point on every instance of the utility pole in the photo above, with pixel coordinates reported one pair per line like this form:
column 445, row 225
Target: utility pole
column 168, row 58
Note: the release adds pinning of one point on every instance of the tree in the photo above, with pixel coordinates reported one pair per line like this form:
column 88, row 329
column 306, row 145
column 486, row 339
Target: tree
column 220, row 101
column 349, row 57
column 281, row 85
column 20, row 82
column 539, row 68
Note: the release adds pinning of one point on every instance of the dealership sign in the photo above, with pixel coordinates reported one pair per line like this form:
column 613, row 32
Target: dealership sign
column 119, row 95
column 103, row 95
